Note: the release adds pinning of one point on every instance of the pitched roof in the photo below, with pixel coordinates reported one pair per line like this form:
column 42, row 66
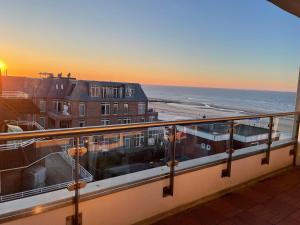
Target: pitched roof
column 64, row 88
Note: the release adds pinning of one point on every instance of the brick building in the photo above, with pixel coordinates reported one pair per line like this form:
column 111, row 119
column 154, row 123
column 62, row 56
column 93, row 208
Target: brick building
column 67, row 102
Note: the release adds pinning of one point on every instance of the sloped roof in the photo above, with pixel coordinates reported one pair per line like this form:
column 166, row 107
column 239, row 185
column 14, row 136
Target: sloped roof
column 77, row 90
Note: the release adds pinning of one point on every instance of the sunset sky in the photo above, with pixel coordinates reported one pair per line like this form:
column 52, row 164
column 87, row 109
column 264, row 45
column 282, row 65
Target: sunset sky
column 207, row 43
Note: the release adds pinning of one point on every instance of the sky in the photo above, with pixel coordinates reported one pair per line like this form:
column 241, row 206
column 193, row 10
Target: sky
column 202, row 43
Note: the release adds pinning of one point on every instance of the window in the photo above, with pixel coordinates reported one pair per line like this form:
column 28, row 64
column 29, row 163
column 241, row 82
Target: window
column 105, row 108
column 129, row 92
column 121, row 92
column 203, row 145
column 106, row 92
column 208, row 147
column 126, row 121
column 138, row 140
column 115, row 108
column 141, row 108
column 120, row 121
column 114, row 140
column 105, row 122
column 115, row 92
column 154, row 136
column 126, row 141
column 142, row 119
column 57, row 106
column 56, row 86
column 62, row 87
column 42, row 105
column 81, row 109
column 126, row 108
column 94, row 91
column 42, row 121
column 82, row 123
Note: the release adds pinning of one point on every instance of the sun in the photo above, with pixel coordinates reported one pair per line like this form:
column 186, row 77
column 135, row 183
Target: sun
column 2, row 65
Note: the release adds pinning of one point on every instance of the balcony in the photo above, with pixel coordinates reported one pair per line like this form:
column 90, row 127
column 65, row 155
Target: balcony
column 144, row 172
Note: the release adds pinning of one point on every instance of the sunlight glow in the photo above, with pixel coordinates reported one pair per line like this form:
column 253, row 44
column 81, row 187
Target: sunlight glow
column 2, row 65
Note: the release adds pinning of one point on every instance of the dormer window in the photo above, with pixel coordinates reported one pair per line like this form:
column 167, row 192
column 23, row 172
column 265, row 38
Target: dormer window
column 129, row 92
column 115, row 92
column 94, row 91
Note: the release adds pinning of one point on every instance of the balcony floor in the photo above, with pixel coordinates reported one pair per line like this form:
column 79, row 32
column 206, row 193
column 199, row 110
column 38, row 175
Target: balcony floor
column 274, row 200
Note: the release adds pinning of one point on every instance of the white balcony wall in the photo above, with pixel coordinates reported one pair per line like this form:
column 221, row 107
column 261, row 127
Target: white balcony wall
column 139, row 203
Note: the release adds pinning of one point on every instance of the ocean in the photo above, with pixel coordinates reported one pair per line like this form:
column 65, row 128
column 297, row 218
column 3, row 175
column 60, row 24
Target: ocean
column 251, row 101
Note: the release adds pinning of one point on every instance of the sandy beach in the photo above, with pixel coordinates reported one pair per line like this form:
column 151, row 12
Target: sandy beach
column 170, row 111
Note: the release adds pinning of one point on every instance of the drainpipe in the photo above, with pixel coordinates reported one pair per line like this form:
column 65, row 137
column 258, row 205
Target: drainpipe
column 297, row 109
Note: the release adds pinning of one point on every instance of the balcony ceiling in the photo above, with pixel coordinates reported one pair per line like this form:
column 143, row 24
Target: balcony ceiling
column 291, row 6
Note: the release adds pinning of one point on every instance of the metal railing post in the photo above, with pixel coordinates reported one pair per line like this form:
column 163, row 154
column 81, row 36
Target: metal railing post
column 266, row 160
column 169, row 190
column 76, row 197
column 227, row 172
column 76, row 152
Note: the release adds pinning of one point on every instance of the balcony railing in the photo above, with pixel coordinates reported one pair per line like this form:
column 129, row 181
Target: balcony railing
column 125, row 156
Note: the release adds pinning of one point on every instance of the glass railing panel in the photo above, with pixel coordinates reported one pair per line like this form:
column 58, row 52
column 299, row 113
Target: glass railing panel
column 202, row 143
column 283, row 129
column 35, row 166
column 250, row 133
column 118, row 153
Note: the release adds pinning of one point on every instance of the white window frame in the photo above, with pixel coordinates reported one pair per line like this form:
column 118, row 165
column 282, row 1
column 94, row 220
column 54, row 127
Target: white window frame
column 126, row 120
column 94, row 90
column 126, row 142
column 81, row 104
column 139, row 140
column 127, row 108
column 106, row 108
column 141, row 108
column 115, row 110
column 105, row 122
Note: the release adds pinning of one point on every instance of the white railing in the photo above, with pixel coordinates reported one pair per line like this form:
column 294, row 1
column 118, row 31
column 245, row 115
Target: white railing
column 22, row 143
column 84, row 174
column 14, row 94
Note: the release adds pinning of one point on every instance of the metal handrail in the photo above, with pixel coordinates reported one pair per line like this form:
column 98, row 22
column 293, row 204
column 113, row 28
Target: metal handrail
column 133, row 126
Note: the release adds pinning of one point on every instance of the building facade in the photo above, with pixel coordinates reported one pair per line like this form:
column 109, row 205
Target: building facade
column 67, row 102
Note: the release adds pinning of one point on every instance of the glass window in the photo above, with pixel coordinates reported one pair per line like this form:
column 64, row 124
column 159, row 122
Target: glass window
column 81, row 109
column 126, row 108
column 42, row 105
column 82, row 123
column 105, row 122
column 115, row 108
column 126, row 141
column 105, row 108
column 141, row 108
column 138, row 140
column 126, row 120
column 94, row 91
column 116, row 92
